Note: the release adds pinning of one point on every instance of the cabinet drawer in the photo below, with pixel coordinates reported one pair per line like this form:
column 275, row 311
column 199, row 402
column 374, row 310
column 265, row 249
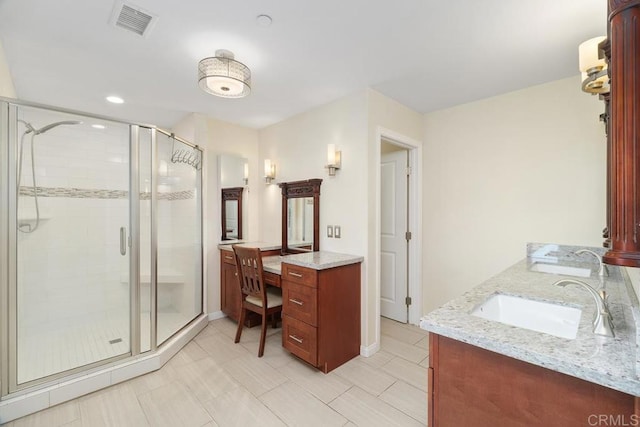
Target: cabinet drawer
column 271, row 279
column 228, row 257
column 300, row 302
column 305, row 276
column 300, row 339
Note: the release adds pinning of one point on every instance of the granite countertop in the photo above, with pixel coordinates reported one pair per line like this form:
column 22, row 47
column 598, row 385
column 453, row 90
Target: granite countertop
column 264, row 246
column 321, row 260
column 610, row 362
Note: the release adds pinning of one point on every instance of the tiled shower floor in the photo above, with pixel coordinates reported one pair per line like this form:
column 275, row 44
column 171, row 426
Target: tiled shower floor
column 45, row 353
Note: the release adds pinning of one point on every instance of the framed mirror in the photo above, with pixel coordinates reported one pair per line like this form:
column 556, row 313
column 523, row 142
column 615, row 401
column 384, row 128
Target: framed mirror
column 301, row 216
column 233, row 176
column 232, row 213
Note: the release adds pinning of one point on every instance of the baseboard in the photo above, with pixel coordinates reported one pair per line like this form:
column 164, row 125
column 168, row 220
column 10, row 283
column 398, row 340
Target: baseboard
column 215, row 315
column 370, row 350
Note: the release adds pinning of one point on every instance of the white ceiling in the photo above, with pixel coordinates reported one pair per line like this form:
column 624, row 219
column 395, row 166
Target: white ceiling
column 426, row 54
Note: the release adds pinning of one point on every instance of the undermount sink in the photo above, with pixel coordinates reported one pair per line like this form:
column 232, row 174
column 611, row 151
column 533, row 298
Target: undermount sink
column 549, row 318
column 560, row 269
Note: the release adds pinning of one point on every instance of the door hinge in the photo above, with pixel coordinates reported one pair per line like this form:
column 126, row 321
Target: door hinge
column 407, row 236
column 408, row 170
column 407, row 300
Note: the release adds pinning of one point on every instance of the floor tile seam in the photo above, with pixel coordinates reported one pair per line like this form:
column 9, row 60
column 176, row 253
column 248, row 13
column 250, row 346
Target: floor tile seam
column 188, row 389
column 341, row 394
column 378, row 398
column 408, row 342
column 399, row 409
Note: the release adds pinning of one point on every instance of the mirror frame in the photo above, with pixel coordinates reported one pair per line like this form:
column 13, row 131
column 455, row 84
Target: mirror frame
column 296, row 189
column 234, row 193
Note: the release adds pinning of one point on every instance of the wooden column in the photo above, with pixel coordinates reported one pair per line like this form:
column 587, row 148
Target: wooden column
column 624, row 126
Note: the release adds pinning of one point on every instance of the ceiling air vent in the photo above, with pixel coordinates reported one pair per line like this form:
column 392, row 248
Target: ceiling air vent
column 132, row 18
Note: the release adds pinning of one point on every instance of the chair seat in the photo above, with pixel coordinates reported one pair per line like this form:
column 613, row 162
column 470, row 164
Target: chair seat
column 274, row 298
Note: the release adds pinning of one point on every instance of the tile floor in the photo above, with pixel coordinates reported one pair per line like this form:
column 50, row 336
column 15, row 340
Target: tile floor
column 214, row 382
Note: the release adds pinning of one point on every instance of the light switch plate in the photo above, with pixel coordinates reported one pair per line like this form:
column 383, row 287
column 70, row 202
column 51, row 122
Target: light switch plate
column 329, row 230
column 337, row 231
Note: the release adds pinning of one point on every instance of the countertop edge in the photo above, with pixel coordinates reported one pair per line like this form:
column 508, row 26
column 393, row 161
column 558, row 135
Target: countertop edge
column 623, row 385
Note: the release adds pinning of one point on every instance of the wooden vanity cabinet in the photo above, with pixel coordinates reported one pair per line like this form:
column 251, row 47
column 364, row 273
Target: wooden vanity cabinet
column 230, row 289
column 321, row 314
column 470, row 386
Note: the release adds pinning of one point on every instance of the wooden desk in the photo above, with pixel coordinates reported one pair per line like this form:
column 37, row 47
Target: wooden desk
column 320, row 308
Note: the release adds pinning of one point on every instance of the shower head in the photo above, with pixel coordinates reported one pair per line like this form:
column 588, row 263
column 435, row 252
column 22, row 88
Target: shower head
column 52, row 125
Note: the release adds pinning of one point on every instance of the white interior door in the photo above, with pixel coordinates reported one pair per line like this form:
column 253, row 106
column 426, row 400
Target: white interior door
column 393, row 254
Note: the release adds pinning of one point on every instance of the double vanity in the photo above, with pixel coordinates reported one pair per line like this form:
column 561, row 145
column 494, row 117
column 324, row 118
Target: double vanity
column 320, row 301
column 523, row 348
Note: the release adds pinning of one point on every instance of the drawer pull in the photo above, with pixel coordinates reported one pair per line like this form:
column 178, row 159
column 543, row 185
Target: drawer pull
column 291, row 273
column 296, row 339
column 228, row 257
column 295, row 301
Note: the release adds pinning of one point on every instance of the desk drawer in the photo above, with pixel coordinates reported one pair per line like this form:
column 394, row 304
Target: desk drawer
column 271, row 279
column 300, row 302
column 302, row 275
column 300, row 339
column 228, row 257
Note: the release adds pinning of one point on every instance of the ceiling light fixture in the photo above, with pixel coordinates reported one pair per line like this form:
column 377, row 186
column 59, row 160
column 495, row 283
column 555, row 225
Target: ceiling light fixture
column 115, row 99
column 223, row 76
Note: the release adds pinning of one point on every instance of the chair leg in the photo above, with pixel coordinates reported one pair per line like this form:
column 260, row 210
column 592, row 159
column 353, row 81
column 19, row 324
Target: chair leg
column 240, row 325
column 263, row 333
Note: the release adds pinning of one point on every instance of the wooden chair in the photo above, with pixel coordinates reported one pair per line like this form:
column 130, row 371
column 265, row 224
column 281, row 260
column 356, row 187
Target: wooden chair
column 256, row 296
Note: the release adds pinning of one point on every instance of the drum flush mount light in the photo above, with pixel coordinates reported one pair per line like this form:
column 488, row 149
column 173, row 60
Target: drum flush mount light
column 223, row 76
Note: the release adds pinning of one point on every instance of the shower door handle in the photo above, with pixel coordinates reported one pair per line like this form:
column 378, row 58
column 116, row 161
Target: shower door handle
column 123, row 241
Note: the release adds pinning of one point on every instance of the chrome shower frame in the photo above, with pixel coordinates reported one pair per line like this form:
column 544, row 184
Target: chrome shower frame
column 8, row 257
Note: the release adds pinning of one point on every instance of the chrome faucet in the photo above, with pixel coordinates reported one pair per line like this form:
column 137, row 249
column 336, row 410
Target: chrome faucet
column 602, row 322
column 601, row 268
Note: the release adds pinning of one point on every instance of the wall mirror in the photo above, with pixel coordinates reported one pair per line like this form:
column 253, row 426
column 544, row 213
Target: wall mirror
column 300, row 216
column 232, row 213
column 233, row 176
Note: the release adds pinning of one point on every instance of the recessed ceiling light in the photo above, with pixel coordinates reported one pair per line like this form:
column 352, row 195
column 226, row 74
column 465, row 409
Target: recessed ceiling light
column 115, row 99
column 263, row 20
column 97, row 126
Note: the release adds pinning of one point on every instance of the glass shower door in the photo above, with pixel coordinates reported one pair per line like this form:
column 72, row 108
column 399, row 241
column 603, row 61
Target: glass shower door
column 179, row 235
column 72, row 236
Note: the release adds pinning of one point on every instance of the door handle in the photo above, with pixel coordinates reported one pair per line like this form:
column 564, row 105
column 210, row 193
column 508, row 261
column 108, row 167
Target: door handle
column 123, row 241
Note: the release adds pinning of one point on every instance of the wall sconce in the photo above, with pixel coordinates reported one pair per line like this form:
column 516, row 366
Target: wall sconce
column 334, row 159
column 593, row 67
column 269, row 171
column 246, row 174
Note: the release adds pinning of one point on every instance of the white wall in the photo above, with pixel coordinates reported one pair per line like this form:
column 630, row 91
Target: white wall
column 6, row 82
column 527, row 166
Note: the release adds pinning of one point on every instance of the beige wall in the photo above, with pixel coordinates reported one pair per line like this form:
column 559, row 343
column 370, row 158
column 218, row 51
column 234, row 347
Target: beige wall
column 527, row 166
column 6, row 82
column 384, row 115
column 298, row 147
column 217, row 137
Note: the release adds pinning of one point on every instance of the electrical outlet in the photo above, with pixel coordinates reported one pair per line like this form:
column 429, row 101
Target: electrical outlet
column 337, row 231
column 329, row 230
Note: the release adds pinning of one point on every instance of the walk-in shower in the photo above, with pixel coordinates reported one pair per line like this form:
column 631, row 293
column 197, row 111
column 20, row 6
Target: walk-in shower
column 101, row 244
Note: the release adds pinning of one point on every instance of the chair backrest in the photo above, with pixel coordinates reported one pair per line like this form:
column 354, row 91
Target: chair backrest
column 249, row 267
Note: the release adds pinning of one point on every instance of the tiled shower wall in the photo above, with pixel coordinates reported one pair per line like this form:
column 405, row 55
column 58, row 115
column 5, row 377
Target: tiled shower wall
column 70, row 269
